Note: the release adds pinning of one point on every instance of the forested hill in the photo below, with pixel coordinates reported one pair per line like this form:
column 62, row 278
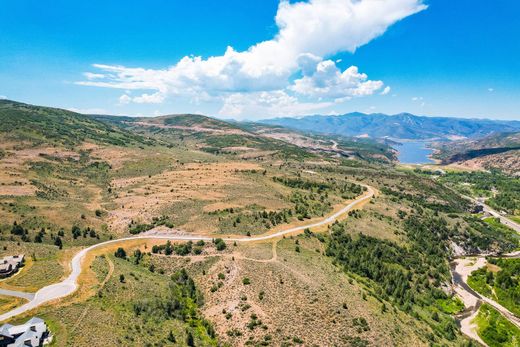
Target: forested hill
column 401, row 126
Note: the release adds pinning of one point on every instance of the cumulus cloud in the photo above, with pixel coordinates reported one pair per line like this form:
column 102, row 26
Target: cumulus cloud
column 386, row 90
column 155, row 98
column 329, row 82
column 309, row 32
column 267, row 104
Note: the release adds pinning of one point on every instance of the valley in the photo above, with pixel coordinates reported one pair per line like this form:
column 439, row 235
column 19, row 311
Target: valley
column 259, row 235
column 285, row 173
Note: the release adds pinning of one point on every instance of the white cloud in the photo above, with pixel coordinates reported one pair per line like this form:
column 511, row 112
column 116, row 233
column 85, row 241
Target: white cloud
column 155, row 98
column 267, row 105
column 417, row 98
column 329, row 82
column 386, row 90
column 93, row 76
column 309, row 32
column 125, row 99
column 2, row 97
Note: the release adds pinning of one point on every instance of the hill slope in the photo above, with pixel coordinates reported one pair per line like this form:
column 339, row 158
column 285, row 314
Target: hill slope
column 37, row 124
column 374, row 278
column 497, row 151
column 245, row 138
column 401, row 126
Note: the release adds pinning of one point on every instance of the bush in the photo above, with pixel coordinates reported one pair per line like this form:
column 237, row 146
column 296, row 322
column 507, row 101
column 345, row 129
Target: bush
column 220, row 244
column 120, row 253
column 58, row 242
column 17, row 230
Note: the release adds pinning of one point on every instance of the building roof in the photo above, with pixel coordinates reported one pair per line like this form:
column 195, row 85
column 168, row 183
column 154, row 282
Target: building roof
column 10, row 262
column 33, row 330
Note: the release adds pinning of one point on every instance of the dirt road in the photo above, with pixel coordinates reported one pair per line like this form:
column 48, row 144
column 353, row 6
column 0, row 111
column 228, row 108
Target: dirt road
column 462, row 269
column 70, row 284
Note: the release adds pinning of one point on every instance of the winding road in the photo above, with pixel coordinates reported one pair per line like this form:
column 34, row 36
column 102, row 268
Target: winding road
column 463, row 267
column 70, row 284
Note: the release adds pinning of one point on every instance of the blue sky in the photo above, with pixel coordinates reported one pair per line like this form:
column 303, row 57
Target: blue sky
column 436, row 57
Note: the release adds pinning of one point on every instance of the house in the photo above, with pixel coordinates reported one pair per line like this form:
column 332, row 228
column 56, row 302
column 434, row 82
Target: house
column 10, row 264
column 34, row 333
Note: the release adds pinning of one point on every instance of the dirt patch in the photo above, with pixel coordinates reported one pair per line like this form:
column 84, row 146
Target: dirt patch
column 141, row 198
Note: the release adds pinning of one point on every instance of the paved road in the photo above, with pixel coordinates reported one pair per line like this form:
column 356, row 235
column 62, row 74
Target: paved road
column 69, row 284
column 503, row 219
column 510, row 223
column 23, row 295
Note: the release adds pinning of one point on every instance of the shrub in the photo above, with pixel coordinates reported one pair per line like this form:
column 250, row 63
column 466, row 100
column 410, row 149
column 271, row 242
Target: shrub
column 120, row 253
column 220, row 244
column 58, row 242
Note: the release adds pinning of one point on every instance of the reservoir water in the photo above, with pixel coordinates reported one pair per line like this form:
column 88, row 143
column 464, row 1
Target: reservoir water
column 414, row 153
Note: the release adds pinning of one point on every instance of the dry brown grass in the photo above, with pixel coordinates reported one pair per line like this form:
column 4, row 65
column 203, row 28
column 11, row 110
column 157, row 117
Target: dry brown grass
column 199, row 186
column 303, row 297
column 44, row 265
column 7, row 303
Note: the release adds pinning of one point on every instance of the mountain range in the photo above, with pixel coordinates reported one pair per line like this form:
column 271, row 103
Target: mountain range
column 399, row 126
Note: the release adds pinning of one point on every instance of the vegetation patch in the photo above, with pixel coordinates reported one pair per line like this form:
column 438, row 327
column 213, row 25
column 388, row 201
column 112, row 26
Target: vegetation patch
column 502, row 284
column 495, row 330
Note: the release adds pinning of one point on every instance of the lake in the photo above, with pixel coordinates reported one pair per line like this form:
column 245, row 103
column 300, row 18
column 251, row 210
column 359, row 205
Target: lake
column 414, row 153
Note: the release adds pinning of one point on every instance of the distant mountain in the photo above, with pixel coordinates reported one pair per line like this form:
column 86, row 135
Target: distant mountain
column 399, row 126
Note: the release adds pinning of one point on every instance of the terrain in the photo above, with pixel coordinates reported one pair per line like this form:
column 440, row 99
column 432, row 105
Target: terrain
column 399, row 126
column 500, row 151
column 191, row 231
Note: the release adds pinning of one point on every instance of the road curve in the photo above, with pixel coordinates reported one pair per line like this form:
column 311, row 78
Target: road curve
column 463, row 267
column 69, row 285
column 17, row 294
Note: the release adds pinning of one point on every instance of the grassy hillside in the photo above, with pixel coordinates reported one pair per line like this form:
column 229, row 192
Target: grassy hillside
column 209, row 135
column 44, row 125
column 250, row 140
column 377, row 278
